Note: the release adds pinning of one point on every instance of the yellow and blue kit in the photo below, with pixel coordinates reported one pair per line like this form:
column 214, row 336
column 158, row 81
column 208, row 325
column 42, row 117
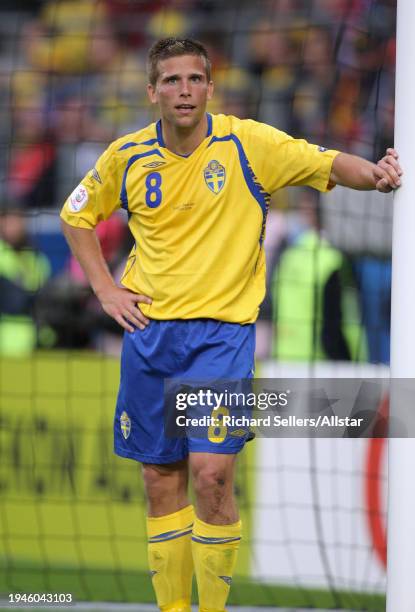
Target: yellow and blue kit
column 198, row 223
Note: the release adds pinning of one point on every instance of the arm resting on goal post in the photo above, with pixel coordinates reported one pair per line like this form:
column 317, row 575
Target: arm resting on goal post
column 117, row 302
column 359, row 173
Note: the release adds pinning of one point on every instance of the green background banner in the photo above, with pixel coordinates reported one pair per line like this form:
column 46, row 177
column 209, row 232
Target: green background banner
column 71, row 509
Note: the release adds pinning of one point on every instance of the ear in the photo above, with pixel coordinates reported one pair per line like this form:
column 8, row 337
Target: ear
column 152, row 93
column 210, row 90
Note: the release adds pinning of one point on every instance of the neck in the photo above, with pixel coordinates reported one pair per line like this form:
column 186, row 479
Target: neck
column 184, row 141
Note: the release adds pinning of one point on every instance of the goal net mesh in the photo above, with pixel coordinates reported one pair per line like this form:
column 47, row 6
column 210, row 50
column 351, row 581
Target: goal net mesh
column 72, row 73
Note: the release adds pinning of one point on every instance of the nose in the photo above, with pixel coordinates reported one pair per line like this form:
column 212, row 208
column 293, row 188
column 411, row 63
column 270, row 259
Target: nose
column 185, row 89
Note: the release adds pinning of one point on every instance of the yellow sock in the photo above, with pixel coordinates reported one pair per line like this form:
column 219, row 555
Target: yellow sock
column 214, row 548
column 170, row 559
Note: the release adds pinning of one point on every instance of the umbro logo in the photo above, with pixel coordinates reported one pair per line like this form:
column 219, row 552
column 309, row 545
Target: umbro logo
column 238, row 433
column 95, row 175
column 154, row 164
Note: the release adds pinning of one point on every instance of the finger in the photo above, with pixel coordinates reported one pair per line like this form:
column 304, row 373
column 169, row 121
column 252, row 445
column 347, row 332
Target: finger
column 388, row 163
column 138, row 297
column 389, row 159
column 389, row 173
column 392, row 151
column 380, row 174
column 130, row 317
column 137, row 313
column 383, row 186
column 123, row 323
column 144, row 299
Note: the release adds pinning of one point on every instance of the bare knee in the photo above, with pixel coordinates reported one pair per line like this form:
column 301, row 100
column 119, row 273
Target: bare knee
column 213, row 486
column 210, row 478
column 166, row 487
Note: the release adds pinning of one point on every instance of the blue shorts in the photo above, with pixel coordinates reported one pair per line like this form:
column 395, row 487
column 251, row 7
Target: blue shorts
column 195, row 349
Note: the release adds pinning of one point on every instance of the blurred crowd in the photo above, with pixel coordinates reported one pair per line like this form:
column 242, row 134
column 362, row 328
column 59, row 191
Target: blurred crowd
column 72, row 78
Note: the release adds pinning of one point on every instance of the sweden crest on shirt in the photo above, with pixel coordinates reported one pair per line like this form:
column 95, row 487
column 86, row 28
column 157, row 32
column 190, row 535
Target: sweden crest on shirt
column 215, row 176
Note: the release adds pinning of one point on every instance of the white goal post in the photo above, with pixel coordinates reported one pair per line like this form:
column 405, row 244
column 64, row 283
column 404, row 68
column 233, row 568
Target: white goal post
column 401, row 521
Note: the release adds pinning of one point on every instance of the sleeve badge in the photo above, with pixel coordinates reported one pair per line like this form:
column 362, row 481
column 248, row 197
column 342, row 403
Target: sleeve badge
column 78, row 199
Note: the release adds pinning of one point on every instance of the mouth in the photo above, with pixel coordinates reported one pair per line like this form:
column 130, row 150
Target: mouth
column 184, row 109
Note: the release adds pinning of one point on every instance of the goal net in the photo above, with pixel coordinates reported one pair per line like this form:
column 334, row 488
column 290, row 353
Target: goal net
column 72, row 515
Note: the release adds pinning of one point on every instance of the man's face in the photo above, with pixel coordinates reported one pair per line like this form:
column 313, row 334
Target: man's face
column 13, row 228
column 182, row 90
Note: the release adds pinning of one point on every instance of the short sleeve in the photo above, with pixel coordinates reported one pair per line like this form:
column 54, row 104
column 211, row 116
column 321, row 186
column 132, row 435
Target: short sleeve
column 278, row 160
column 97, row 196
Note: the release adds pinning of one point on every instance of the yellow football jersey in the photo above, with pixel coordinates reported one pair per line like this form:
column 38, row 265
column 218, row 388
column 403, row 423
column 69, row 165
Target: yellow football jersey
column 198, row 221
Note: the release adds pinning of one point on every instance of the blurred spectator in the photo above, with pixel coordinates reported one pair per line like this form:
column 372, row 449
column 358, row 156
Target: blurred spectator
column 376, row 103
column 31, row 172
column 112, row 235
column 59, row 41
column 233, row 84
column 171, row 20
column 129, row 19
column 95, row 83
column 315, row 311
column 272, row 65
column 314, row 86
column 274, row 243
column 374, row 277
column 23, row 271
column 67, row 305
